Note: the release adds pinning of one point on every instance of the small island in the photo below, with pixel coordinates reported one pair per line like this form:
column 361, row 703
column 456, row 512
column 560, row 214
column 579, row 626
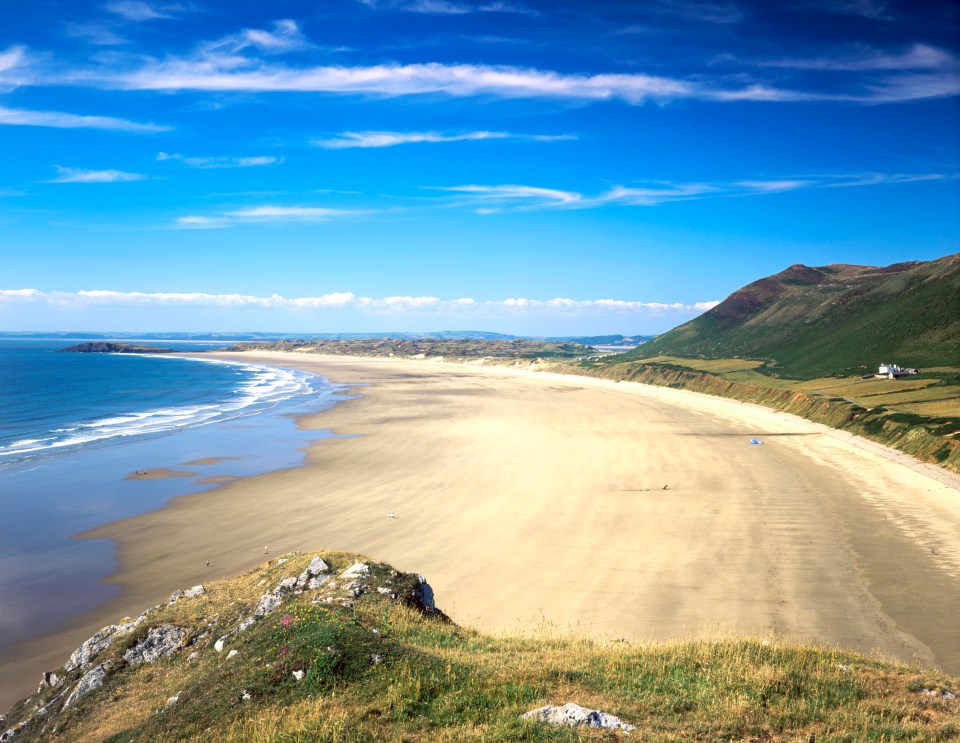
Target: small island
column 111, row 347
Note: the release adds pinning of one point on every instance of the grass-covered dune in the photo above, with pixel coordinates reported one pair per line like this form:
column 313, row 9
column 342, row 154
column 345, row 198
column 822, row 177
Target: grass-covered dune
column 348, row 653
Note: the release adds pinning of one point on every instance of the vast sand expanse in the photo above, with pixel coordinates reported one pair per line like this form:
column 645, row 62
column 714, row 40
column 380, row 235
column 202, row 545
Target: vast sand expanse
column 589, row 506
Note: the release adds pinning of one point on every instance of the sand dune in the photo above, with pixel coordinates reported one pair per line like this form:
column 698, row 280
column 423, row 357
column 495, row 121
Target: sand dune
column 594, row 507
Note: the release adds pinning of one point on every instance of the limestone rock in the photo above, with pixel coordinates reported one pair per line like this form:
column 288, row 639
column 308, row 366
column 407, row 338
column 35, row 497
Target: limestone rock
column 356, row 570
column 50, row 680
column 192, row 593
column 575, row 715
column 317, row 581
column 92, row 679
column 268, row 604
column 84, row 655
column 315, row 574
column 160, row 641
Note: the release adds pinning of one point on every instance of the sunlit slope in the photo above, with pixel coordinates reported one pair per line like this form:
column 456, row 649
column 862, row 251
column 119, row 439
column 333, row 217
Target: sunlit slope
column 816, row 321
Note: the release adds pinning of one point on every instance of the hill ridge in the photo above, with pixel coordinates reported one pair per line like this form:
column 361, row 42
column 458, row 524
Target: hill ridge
column 835, row 319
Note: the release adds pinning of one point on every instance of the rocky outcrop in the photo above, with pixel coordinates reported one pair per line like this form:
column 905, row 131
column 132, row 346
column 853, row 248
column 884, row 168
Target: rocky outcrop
column 120, row 649
column 160, row 641
column 188, row 593
column 577, row 716
column 83, row 655
column 92, row 679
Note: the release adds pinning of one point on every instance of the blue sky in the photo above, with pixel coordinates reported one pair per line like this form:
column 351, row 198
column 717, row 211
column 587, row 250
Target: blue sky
column 532, row 168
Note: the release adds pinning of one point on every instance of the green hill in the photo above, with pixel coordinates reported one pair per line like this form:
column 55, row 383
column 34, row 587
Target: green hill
column 335, row 647
column 811, row 322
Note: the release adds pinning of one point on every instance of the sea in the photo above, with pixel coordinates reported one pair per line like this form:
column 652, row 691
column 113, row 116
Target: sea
column 76, row 428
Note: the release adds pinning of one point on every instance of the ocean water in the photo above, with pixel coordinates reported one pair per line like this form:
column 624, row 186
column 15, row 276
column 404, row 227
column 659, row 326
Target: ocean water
column 75, row 427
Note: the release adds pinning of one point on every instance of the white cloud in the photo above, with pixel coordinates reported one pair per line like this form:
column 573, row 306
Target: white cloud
column 875, row 9
column 368, row 139
column 917, row 57
column 60, row 120
column 492, row 199
column 515, row 193
column 285, row 37
column 207, row 163
column 95, row 33
column 75, row 175
column 446, row 7
column 267, row 214
column 213, row 70
column 230, row 65
column 139, row 10
column 702, row 11
column 348, row 300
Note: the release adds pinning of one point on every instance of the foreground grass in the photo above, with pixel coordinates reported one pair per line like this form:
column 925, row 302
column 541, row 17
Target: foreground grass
column 382, row 670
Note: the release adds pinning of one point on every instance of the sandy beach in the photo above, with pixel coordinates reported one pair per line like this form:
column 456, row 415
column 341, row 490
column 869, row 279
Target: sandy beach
column 591, row 507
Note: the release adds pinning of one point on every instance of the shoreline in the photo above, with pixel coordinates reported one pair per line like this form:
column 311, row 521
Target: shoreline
column 528, row 497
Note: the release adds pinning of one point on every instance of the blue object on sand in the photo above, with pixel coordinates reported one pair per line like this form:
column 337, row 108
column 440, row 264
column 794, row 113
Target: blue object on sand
column 755, row 441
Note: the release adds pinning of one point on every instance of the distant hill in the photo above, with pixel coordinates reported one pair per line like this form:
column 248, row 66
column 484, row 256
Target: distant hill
column 605, row 340
column 225, row 337
column 414, row 348
column 816, row 321
column 110, row 347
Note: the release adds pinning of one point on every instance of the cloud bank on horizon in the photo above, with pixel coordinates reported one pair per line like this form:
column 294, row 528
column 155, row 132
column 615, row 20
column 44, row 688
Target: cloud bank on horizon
column 671, row 150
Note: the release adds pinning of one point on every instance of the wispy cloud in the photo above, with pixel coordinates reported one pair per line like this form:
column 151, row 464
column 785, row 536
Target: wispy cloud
column 701, row 11
column 215, row 71
column 96, row 33
column 14, row 64
column 875, row 9
column 247, row 62
column 346, row 140
column 60, row 120
column 229, row 65
column 285, row 36
column 75, row 175
column 492, row 199
column 349, row 300
column 266, row 214
column 140, row 10
column 208, row 163
column 517, row 196
column 446, row 7
column 917, row 57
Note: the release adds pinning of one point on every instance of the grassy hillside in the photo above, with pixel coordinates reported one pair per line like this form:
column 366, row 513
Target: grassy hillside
column 813, row 322
column 363, row 658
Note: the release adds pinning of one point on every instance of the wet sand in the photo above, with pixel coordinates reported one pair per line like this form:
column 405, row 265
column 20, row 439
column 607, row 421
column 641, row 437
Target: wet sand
column 160, row 473
column 530, row 498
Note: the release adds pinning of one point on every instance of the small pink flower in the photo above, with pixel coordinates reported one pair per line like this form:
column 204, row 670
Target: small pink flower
column 286, row 621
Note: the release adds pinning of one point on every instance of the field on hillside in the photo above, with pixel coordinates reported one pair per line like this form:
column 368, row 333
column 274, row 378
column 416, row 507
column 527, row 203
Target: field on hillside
column 935, row 393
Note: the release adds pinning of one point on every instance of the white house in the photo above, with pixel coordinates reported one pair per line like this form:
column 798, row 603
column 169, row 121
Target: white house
column 892, row 371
